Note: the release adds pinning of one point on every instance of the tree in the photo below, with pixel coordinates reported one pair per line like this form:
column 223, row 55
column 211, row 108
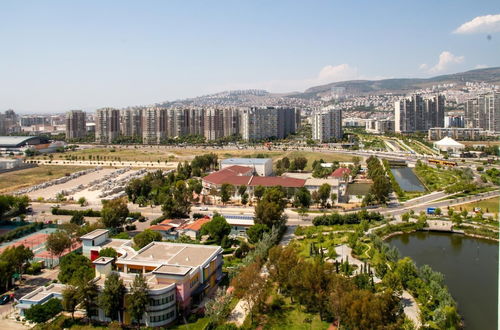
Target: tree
column 255, row 232
column 44, row 312
column 87, row 294
column 15, row 257
column 78, row 219
column 217, row 309
column 217, row 228
column 138, row 298
column 259, row 191
column 111, row 297
column 82, row 201
column 108, row 252
column 381, row 188
column 244, row 199
column 405, row 217
column 333, row 197
column 147, row 236
column 300, row 163
column 58, row 242
column 226, row 191
column 269, row 210
column 437, row 211
column 251, row 286
column 324, row 193
column 70, row 299
column 73, row 267
column 114, row 212
column 302, row 198
column 242, row 190
column 283, row 261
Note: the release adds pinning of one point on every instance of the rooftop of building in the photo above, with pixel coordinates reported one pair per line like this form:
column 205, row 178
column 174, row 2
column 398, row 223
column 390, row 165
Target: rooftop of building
column 95, row 233
column 340, row 172
column 246, row 161
column 19, row 141
column 197, row 224
column 45, row 291
column 223, row 176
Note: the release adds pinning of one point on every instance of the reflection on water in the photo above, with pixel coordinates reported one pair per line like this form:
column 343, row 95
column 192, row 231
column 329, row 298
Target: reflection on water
column 470, row 267
column 407, row 179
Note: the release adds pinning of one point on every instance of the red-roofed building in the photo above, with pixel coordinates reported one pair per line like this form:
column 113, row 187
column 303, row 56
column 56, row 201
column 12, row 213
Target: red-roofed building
column 343, row 174
column 192, row 229
column 243, row 176
column 166, row 231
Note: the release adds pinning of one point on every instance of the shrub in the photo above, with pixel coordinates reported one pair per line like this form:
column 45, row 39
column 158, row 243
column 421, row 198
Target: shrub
column 43, row 313
column 34, row 268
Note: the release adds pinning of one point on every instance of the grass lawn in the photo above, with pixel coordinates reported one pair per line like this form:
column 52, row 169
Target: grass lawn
column 359, row 189
column 312, row 156
column 16, row 180
column 291, row 316
column 434, row 178
column 200, row 324
column 491, row 204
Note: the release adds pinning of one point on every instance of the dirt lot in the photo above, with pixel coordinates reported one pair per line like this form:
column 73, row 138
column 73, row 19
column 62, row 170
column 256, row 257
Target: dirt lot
column 163, row 153
column 16, row 180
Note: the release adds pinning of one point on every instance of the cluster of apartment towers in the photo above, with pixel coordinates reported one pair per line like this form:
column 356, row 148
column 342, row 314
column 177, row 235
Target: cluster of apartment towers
column 154, row 125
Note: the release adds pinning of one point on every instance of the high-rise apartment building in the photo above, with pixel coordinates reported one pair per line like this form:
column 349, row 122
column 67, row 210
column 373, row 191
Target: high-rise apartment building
column 75, row 124
column 107, row 125
column 258, row 123
column 214, row 123
column 231, row 121
column 483, row 112
column 131, row 122
column 416, row 113
column 327, row 125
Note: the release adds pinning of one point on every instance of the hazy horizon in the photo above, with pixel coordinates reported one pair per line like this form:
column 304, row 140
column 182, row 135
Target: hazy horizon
column 85, row 55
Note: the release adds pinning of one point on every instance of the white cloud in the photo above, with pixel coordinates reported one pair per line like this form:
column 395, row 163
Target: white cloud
column 446, row 59
column 480, row 24
column 326, row 75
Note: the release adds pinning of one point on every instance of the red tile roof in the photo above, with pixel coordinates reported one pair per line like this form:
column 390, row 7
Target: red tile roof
column 196, row 226
column 160, row 227
column 234, row 175
column 339, row 173
column 272, row 181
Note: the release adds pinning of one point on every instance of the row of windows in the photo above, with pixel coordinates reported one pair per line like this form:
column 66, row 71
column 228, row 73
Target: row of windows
column 163, row 317
column 162, row 301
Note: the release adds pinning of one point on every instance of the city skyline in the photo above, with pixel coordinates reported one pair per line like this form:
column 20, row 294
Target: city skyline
column 91, row 55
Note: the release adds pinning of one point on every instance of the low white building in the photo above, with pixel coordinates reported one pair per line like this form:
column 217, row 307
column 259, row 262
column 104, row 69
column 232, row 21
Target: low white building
column 447, row 144
column 261, row 166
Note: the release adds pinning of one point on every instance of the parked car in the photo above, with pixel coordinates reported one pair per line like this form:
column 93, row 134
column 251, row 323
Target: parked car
column 203, row 208
column 4, row 299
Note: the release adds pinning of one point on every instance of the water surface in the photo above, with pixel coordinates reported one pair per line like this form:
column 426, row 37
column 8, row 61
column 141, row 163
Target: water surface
column 407, row 179
column 470, row 267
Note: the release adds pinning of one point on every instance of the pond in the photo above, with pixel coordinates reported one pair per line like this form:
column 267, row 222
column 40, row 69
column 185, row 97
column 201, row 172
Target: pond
column 470, row 267
column 407, row 179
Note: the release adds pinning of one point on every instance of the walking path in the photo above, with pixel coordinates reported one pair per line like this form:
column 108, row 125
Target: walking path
column 411, row 309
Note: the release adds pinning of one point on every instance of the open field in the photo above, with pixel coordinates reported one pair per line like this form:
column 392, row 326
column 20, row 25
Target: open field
column 161, row 153
column 16, row 180
column 491, row 204
column 486, row 143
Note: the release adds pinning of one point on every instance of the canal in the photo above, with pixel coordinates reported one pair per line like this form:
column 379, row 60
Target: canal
column 470, row 267
column 407, row 179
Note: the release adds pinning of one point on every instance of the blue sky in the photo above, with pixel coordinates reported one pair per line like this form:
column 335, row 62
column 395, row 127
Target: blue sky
column 60, row 55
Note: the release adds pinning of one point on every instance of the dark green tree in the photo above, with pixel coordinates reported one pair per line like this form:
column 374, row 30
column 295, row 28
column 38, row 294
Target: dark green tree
column 111, row 297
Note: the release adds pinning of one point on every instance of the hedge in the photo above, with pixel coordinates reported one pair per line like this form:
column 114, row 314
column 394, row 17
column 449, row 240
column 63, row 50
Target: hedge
column 44, row 312
column 350, row 218
column 85, row 213
column 21, row 231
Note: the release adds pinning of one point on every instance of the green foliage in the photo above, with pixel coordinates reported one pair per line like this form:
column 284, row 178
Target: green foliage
column 217, row 228
column 85, row 213
column 21, row 231
column 75, row 267
column 70, row 299
column 114, row 212
column 58, row 242
column 44, row 312
column 77, row 219
column 13, row 205
column 350, row 218
column 111, row 297
column 269, row 209
column 108, row 252
column 145, row 237
column 137, row 301
column 255, row 232
column 381, row 187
